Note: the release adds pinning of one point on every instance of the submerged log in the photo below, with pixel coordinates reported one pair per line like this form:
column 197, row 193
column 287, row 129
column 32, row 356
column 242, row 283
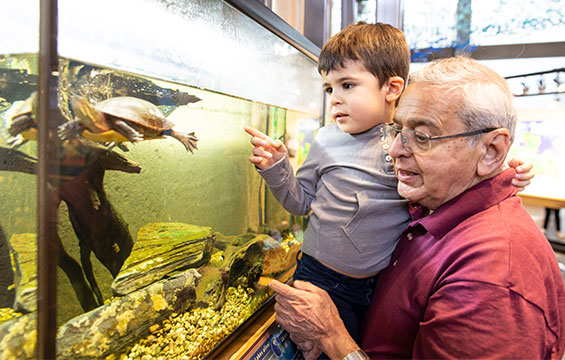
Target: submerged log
column 160, row 250
column 115, row 326
column 242, row 265
column 279, row 256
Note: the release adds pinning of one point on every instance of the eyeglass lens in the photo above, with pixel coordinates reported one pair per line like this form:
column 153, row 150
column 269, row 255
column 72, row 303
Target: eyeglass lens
column 413, row 140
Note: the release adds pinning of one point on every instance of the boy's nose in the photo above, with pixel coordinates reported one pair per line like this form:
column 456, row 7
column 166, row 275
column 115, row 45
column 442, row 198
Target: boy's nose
column 335, row 98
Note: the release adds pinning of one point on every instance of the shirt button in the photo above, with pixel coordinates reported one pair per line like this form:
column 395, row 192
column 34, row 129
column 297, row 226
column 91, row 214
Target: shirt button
column 386, row 146
column 409, row 236
column 395, row 262
column 388, row 158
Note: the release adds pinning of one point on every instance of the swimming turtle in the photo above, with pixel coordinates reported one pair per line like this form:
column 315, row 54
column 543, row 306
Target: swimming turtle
column 23, row 122
column 120, row 119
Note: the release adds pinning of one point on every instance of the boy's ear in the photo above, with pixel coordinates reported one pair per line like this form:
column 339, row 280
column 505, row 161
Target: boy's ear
column 495, row 145
column 395, row 87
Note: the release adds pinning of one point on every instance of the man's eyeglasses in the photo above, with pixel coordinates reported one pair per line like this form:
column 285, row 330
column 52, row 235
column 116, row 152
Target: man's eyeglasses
column 419, row 142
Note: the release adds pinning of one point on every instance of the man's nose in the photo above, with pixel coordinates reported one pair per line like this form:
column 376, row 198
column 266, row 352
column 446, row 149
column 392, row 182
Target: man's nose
column 398, row 148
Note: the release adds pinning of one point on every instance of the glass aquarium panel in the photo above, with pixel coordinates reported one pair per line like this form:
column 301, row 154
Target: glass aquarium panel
column 205, row 43
column 168, row 210
column 450, row 23
column 137, row 219
column 166, row 236
column 19, row 25
column 18, row 209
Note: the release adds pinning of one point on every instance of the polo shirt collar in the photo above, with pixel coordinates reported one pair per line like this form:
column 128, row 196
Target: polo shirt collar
column 474, row 200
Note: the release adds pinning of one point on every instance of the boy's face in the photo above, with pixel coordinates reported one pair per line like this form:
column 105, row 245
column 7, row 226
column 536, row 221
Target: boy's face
column 356, row 101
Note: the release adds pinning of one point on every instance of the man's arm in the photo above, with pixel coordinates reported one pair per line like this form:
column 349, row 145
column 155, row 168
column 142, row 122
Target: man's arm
column 309, row 314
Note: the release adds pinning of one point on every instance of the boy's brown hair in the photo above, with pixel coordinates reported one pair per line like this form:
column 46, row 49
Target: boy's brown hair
column 381, row 47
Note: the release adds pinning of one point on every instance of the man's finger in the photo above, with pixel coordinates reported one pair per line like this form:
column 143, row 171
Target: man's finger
column 305, row 286
column 283, row 289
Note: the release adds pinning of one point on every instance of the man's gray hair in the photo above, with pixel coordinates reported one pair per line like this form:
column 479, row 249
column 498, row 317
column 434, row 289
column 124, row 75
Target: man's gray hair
column 483, row 96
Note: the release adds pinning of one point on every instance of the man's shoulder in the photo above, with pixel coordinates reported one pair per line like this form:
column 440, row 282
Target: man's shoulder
column 503, row 239
column 499, row 224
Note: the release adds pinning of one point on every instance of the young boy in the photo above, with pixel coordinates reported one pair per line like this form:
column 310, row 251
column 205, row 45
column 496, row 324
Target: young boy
column 347, row 181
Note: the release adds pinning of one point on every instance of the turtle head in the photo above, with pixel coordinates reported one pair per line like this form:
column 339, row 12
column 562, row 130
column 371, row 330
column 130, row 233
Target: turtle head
column 91, row 118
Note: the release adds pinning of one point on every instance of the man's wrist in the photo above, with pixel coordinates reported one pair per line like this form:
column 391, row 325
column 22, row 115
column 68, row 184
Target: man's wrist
column 338, row 346
column 357, row 355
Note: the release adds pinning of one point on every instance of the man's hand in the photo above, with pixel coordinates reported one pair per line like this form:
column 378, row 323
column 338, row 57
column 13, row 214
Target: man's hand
column 266, row 151
column 309, row 349
column 310, row 316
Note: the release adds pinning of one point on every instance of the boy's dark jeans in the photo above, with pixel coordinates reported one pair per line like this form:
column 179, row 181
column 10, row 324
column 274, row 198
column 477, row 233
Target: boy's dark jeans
column 351, row 296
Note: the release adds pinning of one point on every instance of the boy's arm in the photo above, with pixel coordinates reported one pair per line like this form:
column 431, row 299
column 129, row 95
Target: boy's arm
column 294, row 193
column 524, row 173
column 266, row 151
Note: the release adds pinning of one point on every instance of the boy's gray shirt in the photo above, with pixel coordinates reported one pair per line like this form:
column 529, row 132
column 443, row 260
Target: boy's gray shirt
column 348, row 183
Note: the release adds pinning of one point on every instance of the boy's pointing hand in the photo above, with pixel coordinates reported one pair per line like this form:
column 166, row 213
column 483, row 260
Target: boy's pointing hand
column 266, row 151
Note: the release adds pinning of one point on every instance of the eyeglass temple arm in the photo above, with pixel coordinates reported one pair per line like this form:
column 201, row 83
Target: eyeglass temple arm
column 475, row 132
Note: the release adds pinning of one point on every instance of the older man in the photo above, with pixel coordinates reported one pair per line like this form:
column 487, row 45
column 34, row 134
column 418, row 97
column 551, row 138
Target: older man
column 472, row 276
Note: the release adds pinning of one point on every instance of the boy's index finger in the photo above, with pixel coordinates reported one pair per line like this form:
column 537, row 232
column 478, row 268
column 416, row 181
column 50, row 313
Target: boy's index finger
column 254, row 132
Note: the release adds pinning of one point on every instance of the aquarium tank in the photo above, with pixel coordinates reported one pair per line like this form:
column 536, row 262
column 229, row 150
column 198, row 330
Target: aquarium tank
column 164, row 235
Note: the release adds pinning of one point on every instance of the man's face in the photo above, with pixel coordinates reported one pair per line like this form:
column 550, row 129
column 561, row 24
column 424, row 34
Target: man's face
column 436, row 176
column 356, row 101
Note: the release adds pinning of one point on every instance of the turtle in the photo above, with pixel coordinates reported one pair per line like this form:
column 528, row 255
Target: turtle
column 23, row 122
column 120, row 119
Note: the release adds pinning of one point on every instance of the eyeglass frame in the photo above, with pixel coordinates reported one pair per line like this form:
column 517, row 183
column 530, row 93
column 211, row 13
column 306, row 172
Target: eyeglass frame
column 430, row 138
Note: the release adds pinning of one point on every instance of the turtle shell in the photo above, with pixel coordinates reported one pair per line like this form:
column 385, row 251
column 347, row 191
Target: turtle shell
column 147, row 116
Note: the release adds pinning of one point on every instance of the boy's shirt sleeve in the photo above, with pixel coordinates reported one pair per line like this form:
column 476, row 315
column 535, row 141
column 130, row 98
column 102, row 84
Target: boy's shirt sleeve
column 294, row 192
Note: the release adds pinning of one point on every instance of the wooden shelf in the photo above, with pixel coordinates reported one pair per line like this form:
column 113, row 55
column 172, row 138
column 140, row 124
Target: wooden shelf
column 543, row 201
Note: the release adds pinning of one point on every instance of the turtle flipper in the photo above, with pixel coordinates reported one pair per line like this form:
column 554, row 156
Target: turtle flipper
column 20, row 124
column 130, row 133
column 68, row 130
column 16, row 141
column 188, row 140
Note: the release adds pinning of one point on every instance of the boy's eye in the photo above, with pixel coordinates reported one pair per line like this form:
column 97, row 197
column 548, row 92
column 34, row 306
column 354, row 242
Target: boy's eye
column 328, row 90
column 347, row 86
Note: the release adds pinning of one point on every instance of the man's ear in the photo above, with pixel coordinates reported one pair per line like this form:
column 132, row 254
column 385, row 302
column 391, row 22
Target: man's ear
column 496, row 145
column 395, row 87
